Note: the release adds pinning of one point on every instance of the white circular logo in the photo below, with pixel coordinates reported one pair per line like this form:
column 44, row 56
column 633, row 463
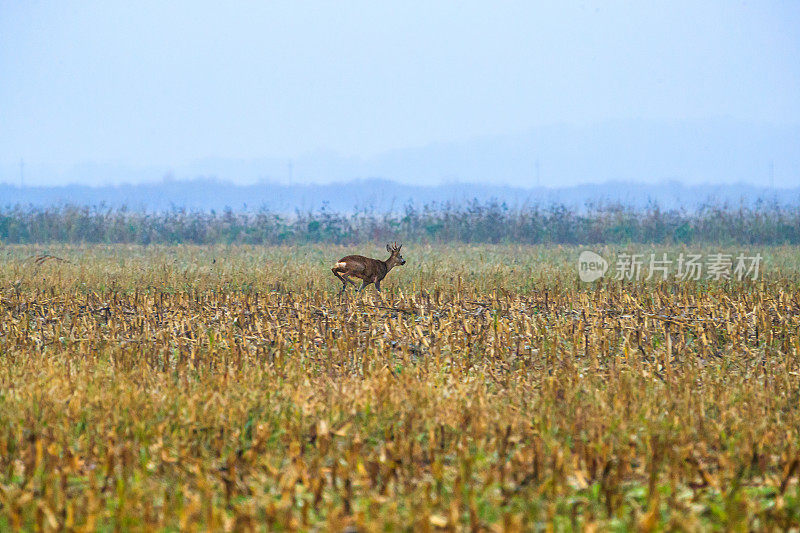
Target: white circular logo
column 591, row 266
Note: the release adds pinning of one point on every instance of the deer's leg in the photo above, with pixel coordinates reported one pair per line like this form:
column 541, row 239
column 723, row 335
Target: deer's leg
column 363, row 285
column 348, row 280
column 378, row 285
column 344, row 280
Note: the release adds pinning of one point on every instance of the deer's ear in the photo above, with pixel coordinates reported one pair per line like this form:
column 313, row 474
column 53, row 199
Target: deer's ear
column 388, row 248
column 399, row 246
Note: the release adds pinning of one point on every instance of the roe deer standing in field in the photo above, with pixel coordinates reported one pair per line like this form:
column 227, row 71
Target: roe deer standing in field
column 366, row 269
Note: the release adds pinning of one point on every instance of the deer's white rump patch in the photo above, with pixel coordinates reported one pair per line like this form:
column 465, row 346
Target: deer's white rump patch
column 341, row 264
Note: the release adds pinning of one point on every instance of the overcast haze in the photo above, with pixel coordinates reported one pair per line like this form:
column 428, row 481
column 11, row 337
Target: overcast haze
column 149, row 87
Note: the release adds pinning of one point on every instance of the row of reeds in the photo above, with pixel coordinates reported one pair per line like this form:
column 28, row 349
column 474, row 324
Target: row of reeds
column 476, row 222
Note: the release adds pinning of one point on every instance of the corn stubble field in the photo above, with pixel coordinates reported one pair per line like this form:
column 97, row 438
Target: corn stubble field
column 230, row 388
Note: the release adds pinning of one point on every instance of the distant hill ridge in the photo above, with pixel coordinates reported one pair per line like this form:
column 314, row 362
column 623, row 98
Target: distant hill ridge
column 376, row 195
column 691, row 151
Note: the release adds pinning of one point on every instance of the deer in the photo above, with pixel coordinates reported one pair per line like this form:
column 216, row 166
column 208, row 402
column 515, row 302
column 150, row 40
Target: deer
column 366, row 269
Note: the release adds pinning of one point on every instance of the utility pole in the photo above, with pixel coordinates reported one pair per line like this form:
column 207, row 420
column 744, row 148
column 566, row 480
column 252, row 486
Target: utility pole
column 772, row 174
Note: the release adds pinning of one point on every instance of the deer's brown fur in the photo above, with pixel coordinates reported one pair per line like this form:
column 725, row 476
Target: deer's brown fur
column 366, row 269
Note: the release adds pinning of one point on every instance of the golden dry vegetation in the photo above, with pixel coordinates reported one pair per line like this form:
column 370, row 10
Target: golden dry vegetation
column 229, row 388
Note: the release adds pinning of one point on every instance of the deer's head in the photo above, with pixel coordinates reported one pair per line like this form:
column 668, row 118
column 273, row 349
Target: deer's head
column 395, row 258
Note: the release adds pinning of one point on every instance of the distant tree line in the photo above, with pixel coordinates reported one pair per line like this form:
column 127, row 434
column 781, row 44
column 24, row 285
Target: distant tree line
column 474, row 222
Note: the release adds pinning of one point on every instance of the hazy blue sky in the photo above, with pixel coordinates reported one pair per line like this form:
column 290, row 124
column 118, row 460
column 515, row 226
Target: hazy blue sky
column 165, row 83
